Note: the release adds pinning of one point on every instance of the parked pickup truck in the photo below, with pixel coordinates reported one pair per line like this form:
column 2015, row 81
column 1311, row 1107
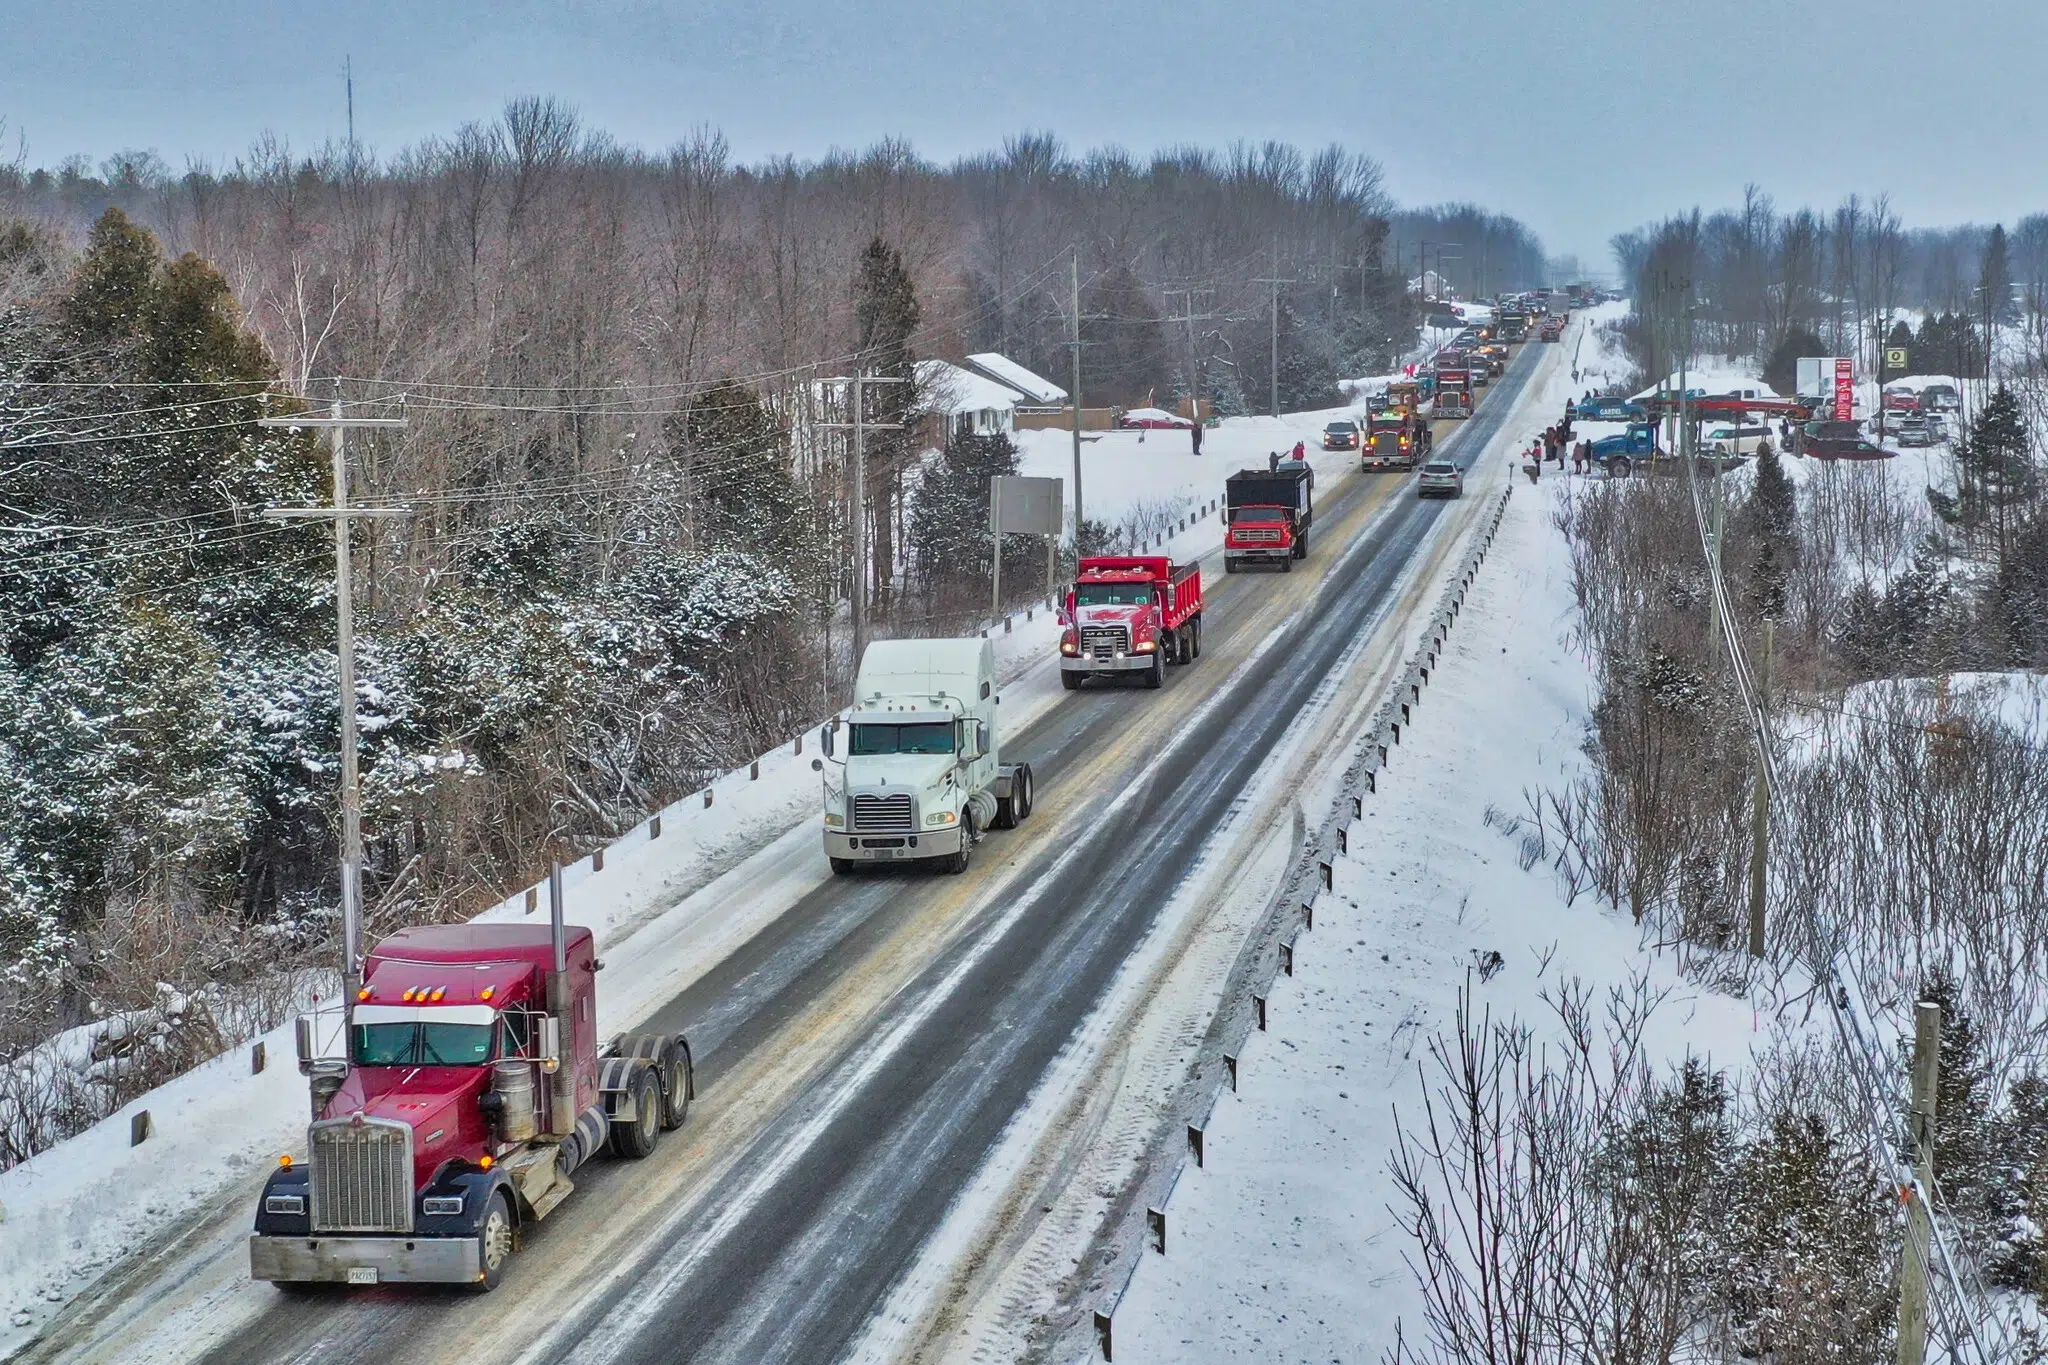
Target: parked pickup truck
column 1130, row 614
column 1268, row 513
column 1612, row 409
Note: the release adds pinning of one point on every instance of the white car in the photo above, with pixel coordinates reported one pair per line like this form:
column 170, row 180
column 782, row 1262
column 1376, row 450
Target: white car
column 1722, row 442
column 1440, row 478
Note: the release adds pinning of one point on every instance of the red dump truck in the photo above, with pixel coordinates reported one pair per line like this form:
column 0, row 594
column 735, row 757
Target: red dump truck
column 469, row 1087
column 1395, row 439
column 1131, row 614
column 1268, row 513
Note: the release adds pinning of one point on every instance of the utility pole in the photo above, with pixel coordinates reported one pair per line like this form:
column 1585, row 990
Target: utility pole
column 1760, row 806
column 1194, row 366
column 1273, row 374
column 1074, row 298
column 341, row 514
column 1913, row 1257
column 860, row 426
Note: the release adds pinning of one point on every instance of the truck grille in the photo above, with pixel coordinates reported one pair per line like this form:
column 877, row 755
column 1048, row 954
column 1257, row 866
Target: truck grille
column 362, row 1176
column 874, row 813
column 1266, row 537
column 1099, row 640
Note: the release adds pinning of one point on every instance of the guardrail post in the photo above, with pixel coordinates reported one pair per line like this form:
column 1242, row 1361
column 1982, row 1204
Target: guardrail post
column 1287, row 959
column 1102, row 1333
column 1230, row 1070
column 1259, row 1011
column 654, row 828
column 597, row 861
column 707, row 798
column 1343, row 840
column 754, row 771
column 1155, row 1224
column 1328, row 874
column 259, row 1057
column 1308, row 914
column 1195, row 1139
column 532, row 899
column 1372, row 783
column 141, row 1128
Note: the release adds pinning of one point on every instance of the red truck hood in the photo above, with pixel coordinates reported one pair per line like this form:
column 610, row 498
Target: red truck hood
column 1113, row 616
column 439, row 1104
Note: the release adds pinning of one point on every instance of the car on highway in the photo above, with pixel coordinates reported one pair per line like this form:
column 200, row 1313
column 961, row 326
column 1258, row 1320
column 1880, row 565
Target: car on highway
column 1553, row 330
column 1440, row 479
column 1340, row 436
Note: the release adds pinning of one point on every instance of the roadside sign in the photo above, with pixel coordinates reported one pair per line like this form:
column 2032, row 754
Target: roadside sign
column 1895, row 357
column 1845, row 390
column 1026, row 506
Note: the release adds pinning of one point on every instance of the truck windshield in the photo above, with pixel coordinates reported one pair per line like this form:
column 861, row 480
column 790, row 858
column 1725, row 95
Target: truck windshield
column 422, row 1044
column 1112, row 594
column 929, row 737
column 1258, row 514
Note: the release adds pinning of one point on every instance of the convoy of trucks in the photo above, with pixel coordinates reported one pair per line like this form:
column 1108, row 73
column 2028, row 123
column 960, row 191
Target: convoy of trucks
column 1267, row 514
column 468, row 1090
column 464, row 1084
column 922, row 775
column 1130, row 614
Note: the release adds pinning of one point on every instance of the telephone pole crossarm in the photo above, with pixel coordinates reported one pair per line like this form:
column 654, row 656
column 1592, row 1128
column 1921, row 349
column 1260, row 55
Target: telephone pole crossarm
column 861, row 426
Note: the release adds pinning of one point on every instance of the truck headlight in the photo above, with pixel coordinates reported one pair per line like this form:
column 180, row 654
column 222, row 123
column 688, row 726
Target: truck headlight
column 1069, row 647
column 833, row 819
column 944, row 817
column 1145, row 646
column 442, row 1205
column 284, row 1203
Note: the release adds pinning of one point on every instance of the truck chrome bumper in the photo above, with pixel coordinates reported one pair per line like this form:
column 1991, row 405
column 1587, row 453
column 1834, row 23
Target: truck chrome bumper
column 892, row 848
column 1089, row 663
column 366, row 1260
column 1261, row 552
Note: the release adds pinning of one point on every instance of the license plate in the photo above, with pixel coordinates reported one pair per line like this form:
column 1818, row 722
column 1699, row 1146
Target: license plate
column 888, row 853
column 362, row 1274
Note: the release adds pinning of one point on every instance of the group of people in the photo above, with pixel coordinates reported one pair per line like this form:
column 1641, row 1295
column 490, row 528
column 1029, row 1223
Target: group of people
column 1298, row 454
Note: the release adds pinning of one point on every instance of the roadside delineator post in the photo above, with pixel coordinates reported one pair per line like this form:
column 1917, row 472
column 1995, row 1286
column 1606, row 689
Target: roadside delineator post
column 141, row 1128
column 1328, row 876
column 1259, row 1011
column 1102, row 1333
column 1155, row 1225
column 259, row 1057
column 654, row 828
column 1230, row 1071
column 1195, row 1139
column 532, row 899
column 707, row 798
column 597, row 861
column 1286, row 959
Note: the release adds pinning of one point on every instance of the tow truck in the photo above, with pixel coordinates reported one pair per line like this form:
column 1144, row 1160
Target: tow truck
column 1130, row 614
column 469, row 1089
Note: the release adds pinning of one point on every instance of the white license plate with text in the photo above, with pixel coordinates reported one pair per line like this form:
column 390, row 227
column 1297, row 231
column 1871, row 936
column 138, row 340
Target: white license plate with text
column 362, row 1274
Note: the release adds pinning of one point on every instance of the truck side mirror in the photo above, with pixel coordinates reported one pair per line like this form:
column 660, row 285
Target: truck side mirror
column 302, row 1037
column 550, row 1043
column 825, row 736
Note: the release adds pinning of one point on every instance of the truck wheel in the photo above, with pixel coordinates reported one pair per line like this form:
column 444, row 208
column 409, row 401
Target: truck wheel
column 1156, row 675
column 675, row 1102
column 1070, row 681
column 1301, row 546
column 1619, row 467
column 841, row 866
column 495, row 1242
column 957, row 863
column 636, row 1138
column 1021, row 794
column 1196, row 625
column 1287, row 565
column 1229, row 564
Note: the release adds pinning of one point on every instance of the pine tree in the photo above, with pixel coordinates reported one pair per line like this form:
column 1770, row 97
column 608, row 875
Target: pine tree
column 1995, row 460
column 1994, row 278
column 949, row 533
column 886, row 318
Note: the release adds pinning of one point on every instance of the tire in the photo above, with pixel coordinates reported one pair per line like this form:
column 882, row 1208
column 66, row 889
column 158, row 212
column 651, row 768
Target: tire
column 1021, row 793
column 957, row 863
column 1301, row 546
column 675, row 1097
column 1229, row 565
column 1155, row 676
column 842, row 866
column 1070, row 681
column 496, row 1238
column 1619, row 467
column 1287, row 566
column 1194, row 639
column 638, row 1138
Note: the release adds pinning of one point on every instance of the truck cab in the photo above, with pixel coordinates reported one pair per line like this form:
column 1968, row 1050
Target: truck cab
column 1394, row 440
column 468, row 1087
column 921, row 774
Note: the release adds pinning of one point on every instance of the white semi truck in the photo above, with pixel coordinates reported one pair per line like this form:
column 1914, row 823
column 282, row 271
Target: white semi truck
column 920, row 776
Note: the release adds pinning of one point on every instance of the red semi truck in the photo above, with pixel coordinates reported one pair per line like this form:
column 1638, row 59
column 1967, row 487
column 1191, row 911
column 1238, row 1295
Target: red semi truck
column 1395, row 439
column 1131, row 614
column 470, row 1088
column 1453, row 391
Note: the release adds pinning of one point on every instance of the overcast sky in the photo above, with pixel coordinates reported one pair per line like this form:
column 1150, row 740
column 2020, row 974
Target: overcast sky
column 1581, row 117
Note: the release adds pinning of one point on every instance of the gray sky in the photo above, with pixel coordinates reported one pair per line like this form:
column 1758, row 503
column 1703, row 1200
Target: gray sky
column 1581, row 118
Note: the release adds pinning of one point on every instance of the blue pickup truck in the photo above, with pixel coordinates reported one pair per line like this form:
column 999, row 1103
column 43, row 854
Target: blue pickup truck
column 1612, row 410
column 1620, row 454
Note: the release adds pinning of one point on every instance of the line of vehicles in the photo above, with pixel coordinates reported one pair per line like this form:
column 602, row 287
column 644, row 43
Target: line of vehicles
column 464, row 1084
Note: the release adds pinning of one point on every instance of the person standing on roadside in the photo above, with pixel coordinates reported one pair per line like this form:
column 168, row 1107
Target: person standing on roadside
column 1195, row 433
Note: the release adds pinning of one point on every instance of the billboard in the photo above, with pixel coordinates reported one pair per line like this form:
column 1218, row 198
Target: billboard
column 1845, row 390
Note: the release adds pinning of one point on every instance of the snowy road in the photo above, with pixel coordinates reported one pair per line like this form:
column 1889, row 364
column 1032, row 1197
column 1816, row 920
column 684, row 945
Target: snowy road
column 861, row 1055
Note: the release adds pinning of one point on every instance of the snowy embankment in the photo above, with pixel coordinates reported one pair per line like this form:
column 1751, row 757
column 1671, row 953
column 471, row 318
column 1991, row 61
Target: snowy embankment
column 1282, row 1246
column 665, row 907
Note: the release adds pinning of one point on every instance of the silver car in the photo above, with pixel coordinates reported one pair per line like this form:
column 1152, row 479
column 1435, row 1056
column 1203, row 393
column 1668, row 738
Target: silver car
column 1440, row 478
